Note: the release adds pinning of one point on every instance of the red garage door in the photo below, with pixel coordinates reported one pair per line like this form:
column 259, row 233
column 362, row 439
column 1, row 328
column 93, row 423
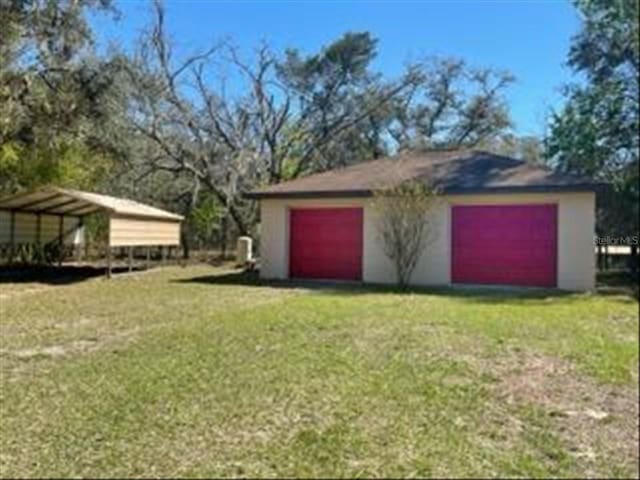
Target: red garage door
column 325, row 243
column 505, row 245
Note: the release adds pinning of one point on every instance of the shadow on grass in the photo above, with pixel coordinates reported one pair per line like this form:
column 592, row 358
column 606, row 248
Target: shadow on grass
column 53, row 275
column 619, row 282
column 480, row 294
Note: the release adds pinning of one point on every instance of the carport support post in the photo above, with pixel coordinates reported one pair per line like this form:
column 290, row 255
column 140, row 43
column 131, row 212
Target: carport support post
column 78, row 250
column 108, row 261
column 148, row 261
column 130, row 259
column 109, row 250
column 60, row 239
column 12, row 237
column 164, row 256
column 39, row 237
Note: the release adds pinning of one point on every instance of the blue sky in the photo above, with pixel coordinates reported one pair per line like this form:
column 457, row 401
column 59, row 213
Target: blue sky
column 529, row 38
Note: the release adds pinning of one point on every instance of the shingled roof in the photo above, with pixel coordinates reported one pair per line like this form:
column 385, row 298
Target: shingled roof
column 451, row 171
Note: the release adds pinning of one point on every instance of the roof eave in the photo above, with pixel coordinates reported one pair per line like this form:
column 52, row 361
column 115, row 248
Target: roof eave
column 587, row 187
column 308, row 194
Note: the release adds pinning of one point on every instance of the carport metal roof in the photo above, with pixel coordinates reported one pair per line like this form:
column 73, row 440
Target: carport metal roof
column 62, row 201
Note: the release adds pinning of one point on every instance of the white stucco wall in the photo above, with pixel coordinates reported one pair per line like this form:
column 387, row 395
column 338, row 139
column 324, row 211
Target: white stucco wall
column 576, row 229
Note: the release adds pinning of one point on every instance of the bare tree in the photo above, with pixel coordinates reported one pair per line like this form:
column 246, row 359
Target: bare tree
column 449, row 105
column 276, row 123
column 406, row 224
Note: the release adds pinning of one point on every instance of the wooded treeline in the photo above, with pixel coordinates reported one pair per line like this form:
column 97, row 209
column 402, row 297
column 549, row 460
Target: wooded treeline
column 596, row 133
column 192, row 132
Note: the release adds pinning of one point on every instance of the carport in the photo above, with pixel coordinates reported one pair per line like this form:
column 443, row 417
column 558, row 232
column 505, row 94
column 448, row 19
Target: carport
column 57, row 215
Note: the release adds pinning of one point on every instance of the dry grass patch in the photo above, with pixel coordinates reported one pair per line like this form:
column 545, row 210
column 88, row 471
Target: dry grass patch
column 599, row 422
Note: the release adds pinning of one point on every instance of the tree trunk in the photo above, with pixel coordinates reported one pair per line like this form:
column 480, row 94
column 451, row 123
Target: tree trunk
column 186, row 247
column 243, row 229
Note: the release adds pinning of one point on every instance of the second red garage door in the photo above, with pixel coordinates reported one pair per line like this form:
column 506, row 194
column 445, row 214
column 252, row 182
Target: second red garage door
column 505, row 245
column 325, row 243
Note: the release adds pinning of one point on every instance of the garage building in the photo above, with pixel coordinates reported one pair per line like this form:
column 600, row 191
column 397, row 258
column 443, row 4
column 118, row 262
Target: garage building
column 501, row 221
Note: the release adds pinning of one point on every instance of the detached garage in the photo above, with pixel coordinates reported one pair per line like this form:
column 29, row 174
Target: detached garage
column 500, row 221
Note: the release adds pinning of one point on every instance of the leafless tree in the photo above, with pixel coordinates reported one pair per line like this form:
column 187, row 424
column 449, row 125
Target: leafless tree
column 273, row 125
column 450, row 105
column 406, row 223
column 172, row 123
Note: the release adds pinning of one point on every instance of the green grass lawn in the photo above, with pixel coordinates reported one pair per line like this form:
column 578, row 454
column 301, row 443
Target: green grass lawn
column 201, row 372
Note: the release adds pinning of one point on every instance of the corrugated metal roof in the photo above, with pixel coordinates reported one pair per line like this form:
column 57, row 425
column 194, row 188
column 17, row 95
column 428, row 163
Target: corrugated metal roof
column 452, row 171
column 63, row 201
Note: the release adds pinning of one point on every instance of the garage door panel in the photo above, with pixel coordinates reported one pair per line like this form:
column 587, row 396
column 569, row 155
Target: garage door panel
column 326, row 243
column 505, row 245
